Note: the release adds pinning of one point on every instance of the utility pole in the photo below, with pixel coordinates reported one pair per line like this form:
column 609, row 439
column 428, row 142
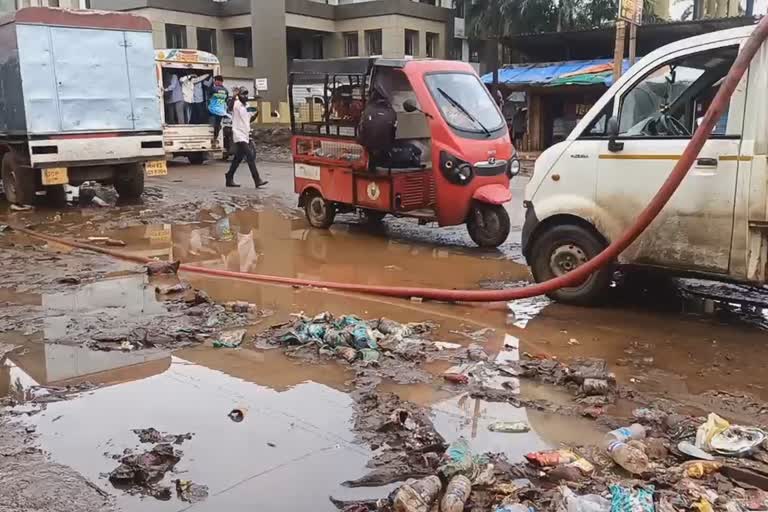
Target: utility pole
column 618, row 51
column 632, row 44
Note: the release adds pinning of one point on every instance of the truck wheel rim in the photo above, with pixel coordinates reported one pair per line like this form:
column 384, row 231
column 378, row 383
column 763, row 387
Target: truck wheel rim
column 566, row 258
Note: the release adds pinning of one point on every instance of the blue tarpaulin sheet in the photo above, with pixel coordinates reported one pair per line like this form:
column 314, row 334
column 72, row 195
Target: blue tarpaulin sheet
column 544, row 73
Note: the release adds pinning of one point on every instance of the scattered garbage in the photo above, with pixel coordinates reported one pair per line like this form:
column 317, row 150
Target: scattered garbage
column 153, row 436
column 141, row 473
column 586, row 503
column 627, row 499
column 240, row 307
column 713, row 426
column 352, row 339
column 188, row 491
column 692, row 451
column 516, row 427
column 700, row 469
column 551, row 458
column 737, row 441
column 231, row 339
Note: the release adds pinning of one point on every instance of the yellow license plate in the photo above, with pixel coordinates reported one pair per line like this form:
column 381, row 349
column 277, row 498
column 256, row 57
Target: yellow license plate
column 156, row 168
column 55, row 176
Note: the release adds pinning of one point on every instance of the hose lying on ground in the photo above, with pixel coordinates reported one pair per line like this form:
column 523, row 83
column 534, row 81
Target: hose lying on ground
column 573, row 278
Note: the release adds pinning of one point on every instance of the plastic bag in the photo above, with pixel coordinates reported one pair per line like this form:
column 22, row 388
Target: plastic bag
column 714, row 425
column 586, row 503
column 625, row 499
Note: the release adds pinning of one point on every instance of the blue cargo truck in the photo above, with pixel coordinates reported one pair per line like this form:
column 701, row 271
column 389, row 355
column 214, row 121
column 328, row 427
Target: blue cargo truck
column 78, row 102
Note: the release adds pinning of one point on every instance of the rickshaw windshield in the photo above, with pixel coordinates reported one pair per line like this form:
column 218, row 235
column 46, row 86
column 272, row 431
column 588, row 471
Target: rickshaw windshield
column 464, row 102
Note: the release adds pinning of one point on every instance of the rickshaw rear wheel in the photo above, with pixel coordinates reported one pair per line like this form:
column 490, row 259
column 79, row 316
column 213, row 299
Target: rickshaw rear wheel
column 320, row 213
column 488, row 225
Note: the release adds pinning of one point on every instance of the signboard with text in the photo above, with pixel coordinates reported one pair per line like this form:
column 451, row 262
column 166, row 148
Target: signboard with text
column 631, row 11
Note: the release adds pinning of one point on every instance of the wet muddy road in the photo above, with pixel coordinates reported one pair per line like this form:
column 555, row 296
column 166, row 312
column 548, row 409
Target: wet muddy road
column 296, row 443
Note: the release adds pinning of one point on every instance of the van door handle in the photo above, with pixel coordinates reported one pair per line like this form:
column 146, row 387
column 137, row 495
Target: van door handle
column 706, row 162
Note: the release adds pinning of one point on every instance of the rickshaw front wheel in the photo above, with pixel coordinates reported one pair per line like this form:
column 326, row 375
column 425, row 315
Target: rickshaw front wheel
column 488, row 225
column 320, row 213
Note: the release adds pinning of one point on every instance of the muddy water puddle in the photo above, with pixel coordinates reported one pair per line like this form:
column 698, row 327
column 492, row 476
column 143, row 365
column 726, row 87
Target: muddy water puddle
column 296, row 444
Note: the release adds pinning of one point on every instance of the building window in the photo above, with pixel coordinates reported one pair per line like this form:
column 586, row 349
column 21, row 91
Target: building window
column 243, row 49
column 457, row 49
column 373, row 42
column 351, row 44
column 54, row 3
column 411, row 42
column 206, row 40
column 460, row 6
column 175, row 36
column 433, row 45
column 475, row 48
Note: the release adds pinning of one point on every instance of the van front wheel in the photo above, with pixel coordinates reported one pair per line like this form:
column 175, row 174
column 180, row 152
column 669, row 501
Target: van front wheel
column 563, row 248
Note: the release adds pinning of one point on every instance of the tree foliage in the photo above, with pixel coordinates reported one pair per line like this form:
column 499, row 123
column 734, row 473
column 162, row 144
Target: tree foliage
column 494, row 19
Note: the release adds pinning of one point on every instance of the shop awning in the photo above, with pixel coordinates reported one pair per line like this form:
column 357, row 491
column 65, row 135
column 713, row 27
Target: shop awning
column 547, row 74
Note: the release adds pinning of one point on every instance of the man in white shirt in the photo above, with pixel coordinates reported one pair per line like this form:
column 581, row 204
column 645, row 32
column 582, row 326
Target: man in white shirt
column 188, row 84
column 241, row 134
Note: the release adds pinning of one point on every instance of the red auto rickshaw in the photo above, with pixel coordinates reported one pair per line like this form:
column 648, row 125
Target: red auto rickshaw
column 445, row 116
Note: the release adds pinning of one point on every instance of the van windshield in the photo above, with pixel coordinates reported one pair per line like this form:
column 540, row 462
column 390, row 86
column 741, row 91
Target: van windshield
column 464, row 102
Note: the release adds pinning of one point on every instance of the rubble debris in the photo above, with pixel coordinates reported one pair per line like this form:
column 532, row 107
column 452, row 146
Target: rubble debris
column 153, row 436
column 173, row 288
column 141, row 473
column 231, row 339
column 692, row 451
column 69, row 280
column 157, row 267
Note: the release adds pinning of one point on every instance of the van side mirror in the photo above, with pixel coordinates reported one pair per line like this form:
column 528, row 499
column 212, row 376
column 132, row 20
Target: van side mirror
column 612, row 130
column 410, row 106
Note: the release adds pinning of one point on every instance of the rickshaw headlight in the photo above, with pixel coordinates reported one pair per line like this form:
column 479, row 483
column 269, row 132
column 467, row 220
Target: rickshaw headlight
column 514, row 167
column 456, row 171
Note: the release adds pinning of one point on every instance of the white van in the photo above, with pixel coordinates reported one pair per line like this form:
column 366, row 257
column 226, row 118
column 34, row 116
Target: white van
column 588, row 189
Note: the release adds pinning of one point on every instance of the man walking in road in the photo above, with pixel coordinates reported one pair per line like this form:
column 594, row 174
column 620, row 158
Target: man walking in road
column 241, row 134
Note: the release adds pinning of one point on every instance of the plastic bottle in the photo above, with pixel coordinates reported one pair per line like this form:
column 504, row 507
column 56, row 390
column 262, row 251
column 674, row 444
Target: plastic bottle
column 418, row 495
column 456, row 494
column 624, row 435
column 510, row 427
column 630, row 458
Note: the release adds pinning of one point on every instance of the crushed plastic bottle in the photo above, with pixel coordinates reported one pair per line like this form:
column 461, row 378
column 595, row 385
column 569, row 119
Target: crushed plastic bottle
column 456, row 494
column 417, row 495
column 624, row 435
column 629, row 457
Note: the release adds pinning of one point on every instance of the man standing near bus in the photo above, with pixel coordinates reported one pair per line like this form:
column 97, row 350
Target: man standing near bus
column 217, row 106
column 241, row 134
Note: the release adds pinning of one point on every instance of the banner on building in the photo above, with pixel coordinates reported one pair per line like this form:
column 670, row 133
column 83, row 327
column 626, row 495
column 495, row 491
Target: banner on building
column 631, row 11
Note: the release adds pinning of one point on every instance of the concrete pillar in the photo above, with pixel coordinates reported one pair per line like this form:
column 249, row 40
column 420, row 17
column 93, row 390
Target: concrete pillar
column 393, row 42
column 270, row 49
column 225, row 48
column 158, row 34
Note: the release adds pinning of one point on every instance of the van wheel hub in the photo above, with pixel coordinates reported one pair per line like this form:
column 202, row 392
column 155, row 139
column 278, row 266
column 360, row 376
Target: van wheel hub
column 566, row 258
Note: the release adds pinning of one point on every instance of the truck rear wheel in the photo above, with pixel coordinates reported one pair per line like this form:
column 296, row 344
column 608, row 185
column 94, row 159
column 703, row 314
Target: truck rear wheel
column 18, row 181
column 488, row 225
column 196, row 158
column 562, row 248
column 129, row 181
